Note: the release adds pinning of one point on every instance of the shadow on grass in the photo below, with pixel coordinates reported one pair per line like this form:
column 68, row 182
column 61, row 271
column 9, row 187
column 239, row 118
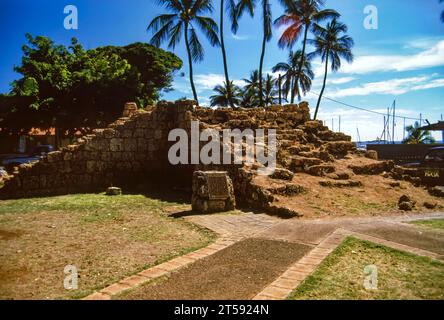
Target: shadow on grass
column 161, row 192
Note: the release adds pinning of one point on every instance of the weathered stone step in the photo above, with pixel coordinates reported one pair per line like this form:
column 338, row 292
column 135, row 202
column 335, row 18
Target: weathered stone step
column 288, row 190
column 340, row 183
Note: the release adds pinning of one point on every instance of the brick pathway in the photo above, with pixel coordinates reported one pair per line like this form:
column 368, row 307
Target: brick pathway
column 282, row 287
column 323, row 235
column 290, row 279
column 245, row 224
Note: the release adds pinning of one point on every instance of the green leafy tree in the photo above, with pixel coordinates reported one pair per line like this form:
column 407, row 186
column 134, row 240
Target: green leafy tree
column 73, row 89
column 185, row 16
column 417, row 136
column 226, row 96
column 331, row 44
column 295, row 84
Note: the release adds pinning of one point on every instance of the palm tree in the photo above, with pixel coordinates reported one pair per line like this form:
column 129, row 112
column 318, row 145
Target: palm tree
column 248, row 98
column 295, row 83
column 249, row 5
column 331, row 43
column 226, row 95
column 249, row 94
column 270, row 91
column 442, row 12
column 301, row 15
column 186, row 14
column 231, row 8
column 416, row 136
column 252, row 83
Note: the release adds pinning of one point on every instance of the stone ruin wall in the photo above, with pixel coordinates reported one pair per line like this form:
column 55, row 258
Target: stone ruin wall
column 135, row 148
column 132, row 148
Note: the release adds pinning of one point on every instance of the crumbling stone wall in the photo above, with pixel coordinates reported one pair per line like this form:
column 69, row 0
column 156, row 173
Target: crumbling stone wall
column 135, row 148
column 132, row 148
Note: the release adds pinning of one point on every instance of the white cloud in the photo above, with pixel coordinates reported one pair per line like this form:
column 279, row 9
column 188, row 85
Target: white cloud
column 422, row 43
column 432, row 57
column 210, row 80
column 437, row 83
column 392, row 87
column 239, row 37
column 317, row 82
column 340, row 80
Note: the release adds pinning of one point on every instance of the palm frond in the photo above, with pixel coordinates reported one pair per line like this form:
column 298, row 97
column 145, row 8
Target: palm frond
column 325, row 14
column 197, row 51
column 175, row 35
column 202, row 6
column 267, row 19
column 245, row 5
column 161, row 35
column 160, row 21
column 231, row 9
column 173, row 5
column 209, row 28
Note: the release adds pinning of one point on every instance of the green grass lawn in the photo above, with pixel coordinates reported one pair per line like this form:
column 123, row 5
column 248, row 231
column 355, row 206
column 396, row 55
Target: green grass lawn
column 432, row 223
column 401, row 275
column 106, row 237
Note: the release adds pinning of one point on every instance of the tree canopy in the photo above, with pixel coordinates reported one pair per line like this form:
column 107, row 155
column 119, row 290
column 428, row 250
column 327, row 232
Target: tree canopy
column 72, row 89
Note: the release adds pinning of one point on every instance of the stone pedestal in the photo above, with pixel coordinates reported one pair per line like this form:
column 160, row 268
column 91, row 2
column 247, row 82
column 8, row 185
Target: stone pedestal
column 212, row 192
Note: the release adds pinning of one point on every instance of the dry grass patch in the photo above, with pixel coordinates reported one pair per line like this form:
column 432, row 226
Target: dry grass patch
column 106, row 238
column 401, row 275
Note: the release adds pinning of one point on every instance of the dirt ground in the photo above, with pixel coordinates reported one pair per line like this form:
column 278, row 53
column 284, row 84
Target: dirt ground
column 376, row 196
column 105, row 238
column 237, row 272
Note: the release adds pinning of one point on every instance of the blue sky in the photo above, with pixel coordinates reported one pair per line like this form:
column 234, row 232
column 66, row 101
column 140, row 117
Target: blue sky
column 403, row 59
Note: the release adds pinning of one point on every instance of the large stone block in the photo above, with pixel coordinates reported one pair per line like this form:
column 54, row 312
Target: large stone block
column 212, row 192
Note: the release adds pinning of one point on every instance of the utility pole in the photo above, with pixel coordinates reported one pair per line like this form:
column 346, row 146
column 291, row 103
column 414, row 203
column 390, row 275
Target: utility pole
column 442, row 132
column 339, row 123
column 394, row 114
column 385, row 126
column 388, row 124
column 332, row 124
column 403, row 131
column 420, row 119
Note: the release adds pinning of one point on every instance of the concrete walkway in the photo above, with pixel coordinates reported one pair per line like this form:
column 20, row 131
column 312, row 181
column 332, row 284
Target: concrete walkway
column 323, row 236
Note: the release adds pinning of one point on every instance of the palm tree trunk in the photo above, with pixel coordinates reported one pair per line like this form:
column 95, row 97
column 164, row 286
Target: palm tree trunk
column 190, row 62
column 323, row 88
column 224, row 54
column 292, row 90
column 304, row 43
column 261, row 63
